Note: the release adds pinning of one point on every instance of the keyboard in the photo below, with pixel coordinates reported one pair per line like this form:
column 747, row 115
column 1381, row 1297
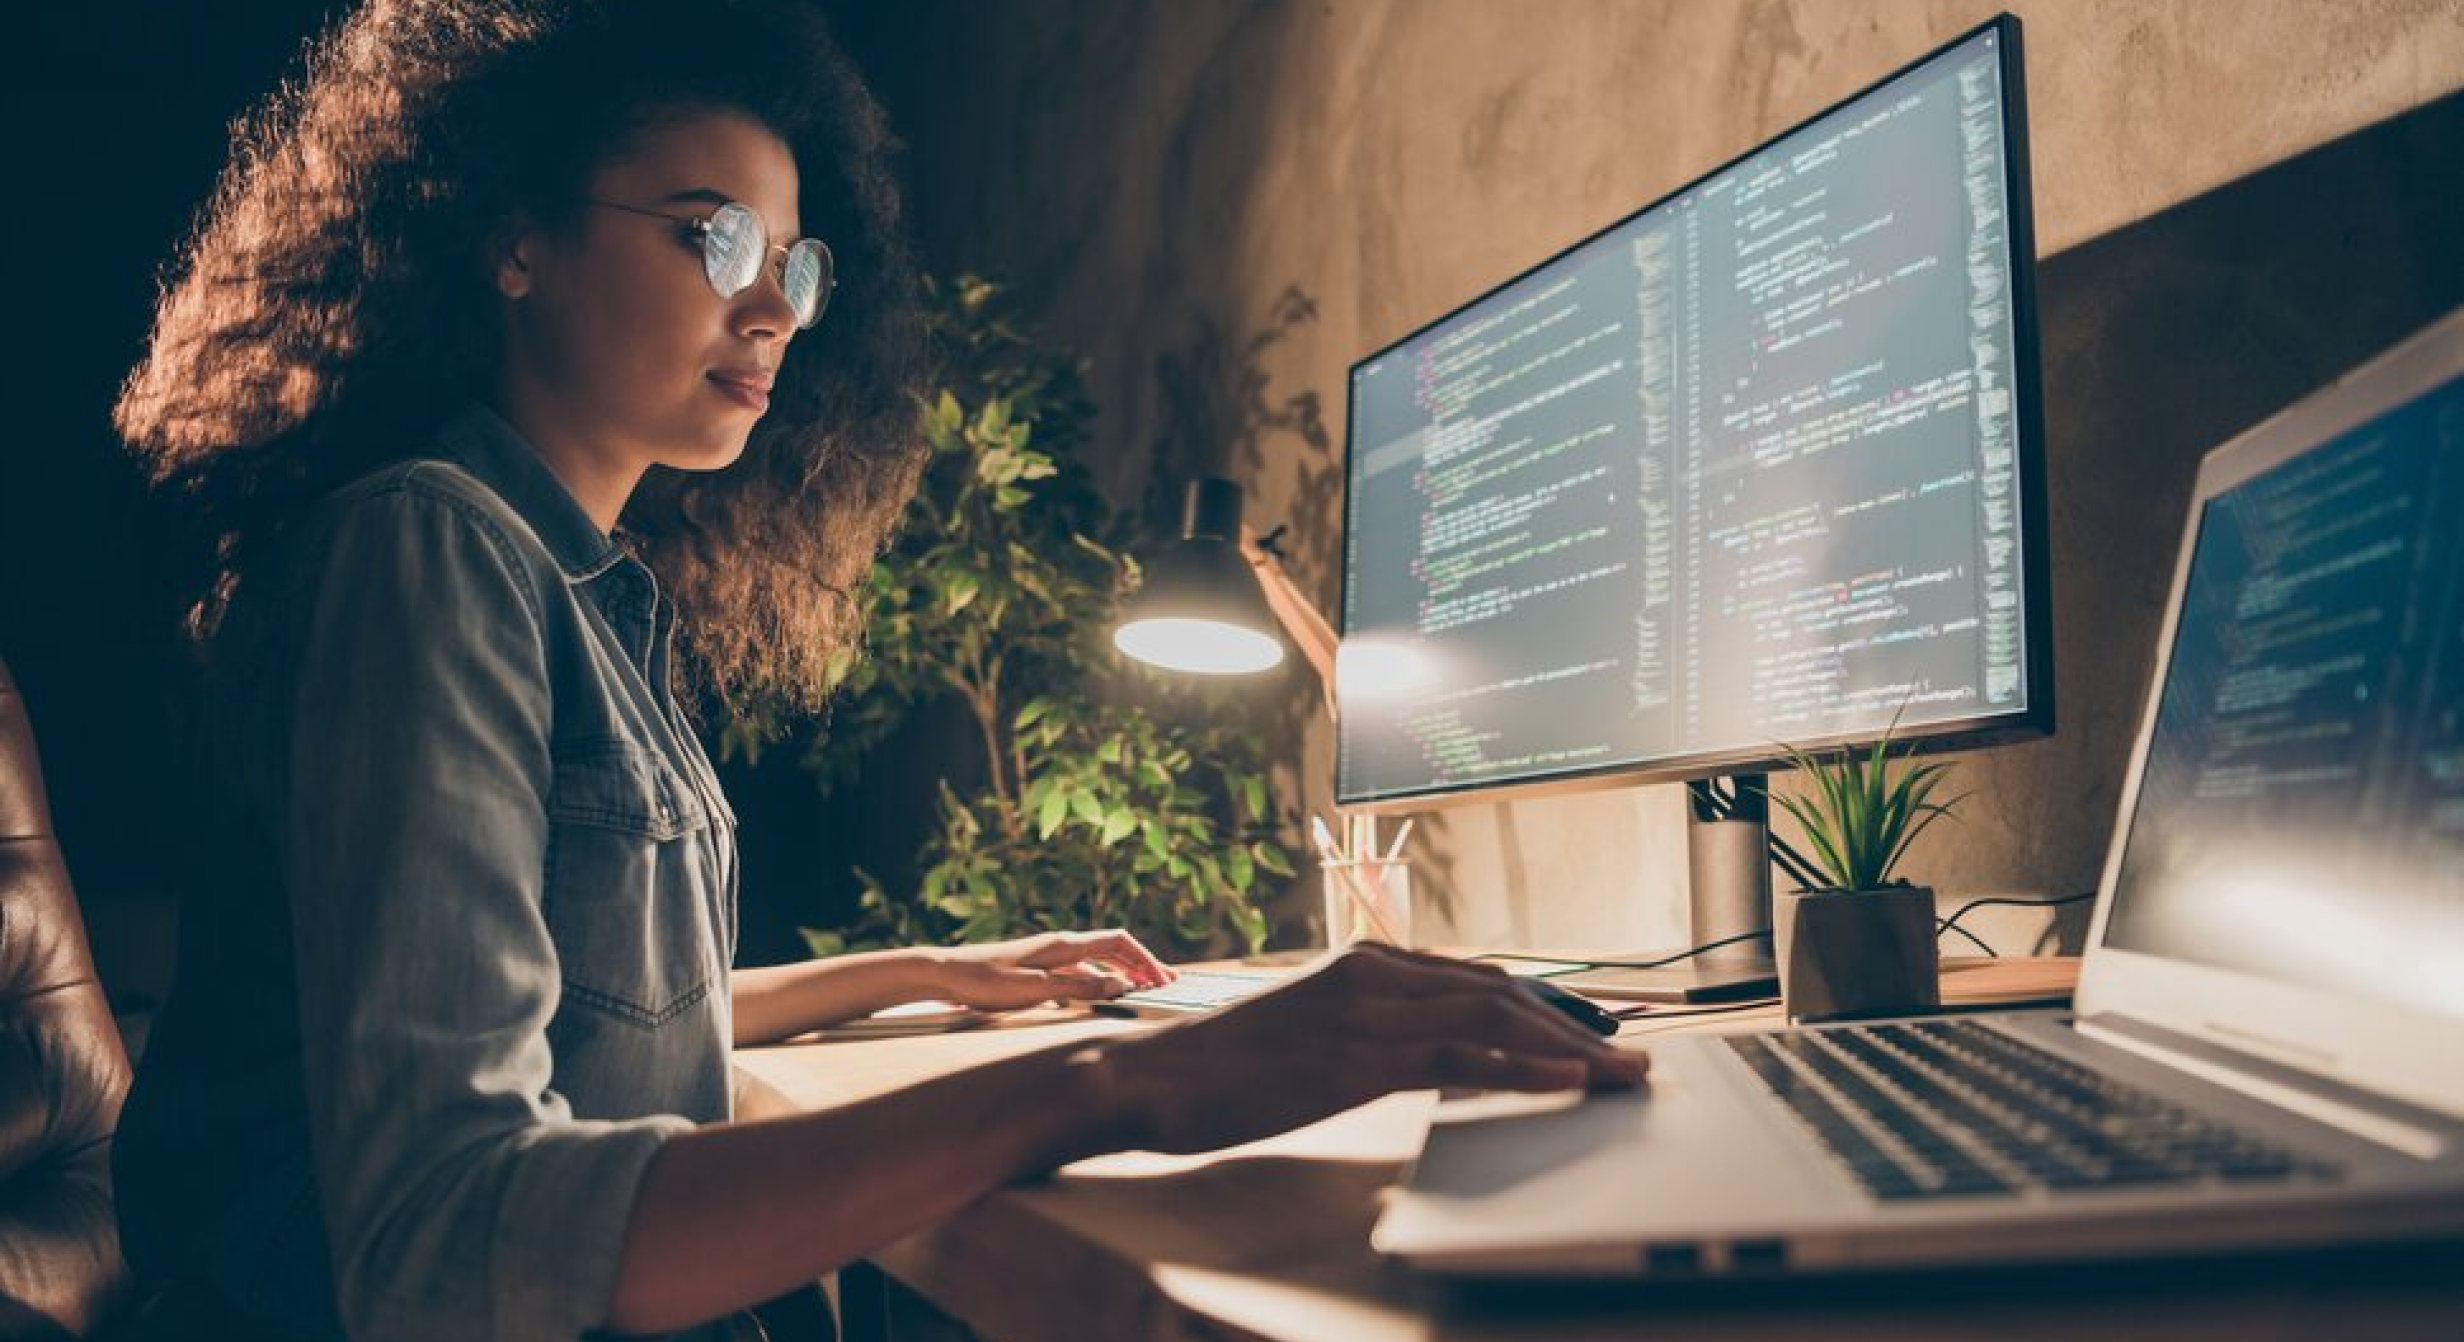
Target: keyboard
column 1193, row 990
column 1957, row 1109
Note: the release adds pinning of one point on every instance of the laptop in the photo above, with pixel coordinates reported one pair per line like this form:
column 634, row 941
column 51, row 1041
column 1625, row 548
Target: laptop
column 2267, row 1043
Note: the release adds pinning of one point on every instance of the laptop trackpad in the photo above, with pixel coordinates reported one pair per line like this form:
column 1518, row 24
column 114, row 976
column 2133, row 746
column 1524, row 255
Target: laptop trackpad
column 1511, row 1173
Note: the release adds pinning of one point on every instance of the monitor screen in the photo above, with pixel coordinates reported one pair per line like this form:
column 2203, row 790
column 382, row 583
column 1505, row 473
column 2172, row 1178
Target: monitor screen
column 1760, row 464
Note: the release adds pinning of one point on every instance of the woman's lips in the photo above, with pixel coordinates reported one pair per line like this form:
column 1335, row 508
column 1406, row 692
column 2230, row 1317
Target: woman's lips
column 750, row 390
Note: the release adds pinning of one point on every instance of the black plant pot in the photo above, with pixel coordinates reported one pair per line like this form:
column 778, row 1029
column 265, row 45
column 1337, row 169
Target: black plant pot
column 1850, row 953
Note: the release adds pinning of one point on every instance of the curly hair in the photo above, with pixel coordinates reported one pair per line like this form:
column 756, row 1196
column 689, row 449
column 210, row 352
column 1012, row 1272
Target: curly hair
column 331, row 305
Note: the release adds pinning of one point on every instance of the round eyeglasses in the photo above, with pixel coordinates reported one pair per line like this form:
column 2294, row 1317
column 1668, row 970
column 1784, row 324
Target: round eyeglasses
column 734, row 246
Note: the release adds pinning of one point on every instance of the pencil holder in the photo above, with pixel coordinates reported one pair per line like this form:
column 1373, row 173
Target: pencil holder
column 1368, row 901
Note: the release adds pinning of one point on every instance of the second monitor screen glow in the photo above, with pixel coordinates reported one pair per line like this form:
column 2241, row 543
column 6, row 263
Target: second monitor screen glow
column 1745, row 468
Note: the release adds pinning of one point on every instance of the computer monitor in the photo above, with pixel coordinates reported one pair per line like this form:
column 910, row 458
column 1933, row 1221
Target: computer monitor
column 1761, row 463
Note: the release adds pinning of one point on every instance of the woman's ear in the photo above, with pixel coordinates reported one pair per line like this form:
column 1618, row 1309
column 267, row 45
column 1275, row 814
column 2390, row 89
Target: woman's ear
column 509, row 253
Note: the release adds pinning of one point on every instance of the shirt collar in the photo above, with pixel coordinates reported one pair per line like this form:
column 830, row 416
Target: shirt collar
column 479, row 440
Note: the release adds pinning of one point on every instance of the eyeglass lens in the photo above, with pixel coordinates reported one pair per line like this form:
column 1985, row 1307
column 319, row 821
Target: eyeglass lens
column 735, row 246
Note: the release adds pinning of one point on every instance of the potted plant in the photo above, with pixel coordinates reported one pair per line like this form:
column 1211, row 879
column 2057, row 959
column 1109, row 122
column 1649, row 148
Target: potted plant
column 1864, row 946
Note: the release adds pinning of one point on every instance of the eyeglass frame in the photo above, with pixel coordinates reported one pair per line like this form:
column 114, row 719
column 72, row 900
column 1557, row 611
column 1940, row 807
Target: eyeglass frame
column 704, row 228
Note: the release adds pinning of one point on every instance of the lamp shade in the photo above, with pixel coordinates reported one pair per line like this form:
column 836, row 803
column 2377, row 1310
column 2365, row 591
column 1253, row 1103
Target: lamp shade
column 1201, row 609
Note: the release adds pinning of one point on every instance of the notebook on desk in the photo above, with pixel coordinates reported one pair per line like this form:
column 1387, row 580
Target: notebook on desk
column 2270, row 1015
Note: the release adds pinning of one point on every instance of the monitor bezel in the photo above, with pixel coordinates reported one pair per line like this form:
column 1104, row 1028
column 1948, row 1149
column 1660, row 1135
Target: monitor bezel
column 2031, row 722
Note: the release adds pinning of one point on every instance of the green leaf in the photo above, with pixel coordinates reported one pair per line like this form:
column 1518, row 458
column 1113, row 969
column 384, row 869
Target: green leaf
column 1826, row 853
column 1928, row 814
column 1031, row 798
column 1253, row 795
column 1117, row 826
column 1826, row 784
column 958, row 591
column 834, row 672
column 1087, row 807
column 1251, row 924
column 1054, row 810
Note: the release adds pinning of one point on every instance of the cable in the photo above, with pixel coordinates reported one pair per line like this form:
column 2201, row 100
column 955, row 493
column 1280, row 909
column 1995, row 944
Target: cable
column 1651, row 1011
column 1660, row 963
column 1942, row 925
column 2015, row 901
column 1951, row 924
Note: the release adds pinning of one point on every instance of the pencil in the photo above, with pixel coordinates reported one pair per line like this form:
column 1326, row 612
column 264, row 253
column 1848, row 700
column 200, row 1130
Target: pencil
column 1395, row 853
column 1359, row 886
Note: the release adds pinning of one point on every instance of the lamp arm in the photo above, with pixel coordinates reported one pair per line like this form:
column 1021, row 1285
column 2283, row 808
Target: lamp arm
column 1300, row 619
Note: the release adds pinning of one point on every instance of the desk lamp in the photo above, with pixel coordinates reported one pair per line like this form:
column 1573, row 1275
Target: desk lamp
column 1212, row 601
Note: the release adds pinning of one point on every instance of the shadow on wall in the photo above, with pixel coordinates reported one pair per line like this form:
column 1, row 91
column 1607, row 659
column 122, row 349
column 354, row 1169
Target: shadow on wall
column 1218, row 417
column 2162, row 340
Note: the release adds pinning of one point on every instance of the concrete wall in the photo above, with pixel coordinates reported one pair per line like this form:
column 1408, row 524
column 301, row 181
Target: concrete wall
column 1225, row 204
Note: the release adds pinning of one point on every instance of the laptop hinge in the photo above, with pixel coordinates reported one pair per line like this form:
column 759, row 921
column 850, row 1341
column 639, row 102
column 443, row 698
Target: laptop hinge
column 2401, row 1127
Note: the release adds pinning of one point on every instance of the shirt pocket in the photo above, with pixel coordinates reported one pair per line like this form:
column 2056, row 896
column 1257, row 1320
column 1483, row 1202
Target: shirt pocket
column 624, row 900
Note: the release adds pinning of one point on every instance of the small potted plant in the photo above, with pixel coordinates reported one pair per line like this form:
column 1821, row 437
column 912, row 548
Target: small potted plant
column 1865, row 946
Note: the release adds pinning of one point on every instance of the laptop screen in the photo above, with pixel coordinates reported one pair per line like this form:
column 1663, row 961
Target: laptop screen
column 2301, row 814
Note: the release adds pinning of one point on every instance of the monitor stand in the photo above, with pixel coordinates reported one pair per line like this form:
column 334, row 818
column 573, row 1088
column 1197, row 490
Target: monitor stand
column 1728, row 893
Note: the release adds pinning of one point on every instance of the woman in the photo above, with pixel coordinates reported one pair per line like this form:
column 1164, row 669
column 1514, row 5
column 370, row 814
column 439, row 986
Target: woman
column 497, row 379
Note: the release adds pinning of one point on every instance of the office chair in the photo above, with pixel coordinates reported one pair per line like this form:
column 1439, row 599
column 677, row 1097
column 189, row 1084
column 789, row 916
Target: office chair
column 63, row 1073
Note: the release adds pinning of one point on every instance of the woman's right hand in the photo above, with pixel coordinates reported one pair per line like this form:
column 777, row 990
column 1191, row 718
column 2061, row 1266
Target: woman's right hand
column 1369, row 1022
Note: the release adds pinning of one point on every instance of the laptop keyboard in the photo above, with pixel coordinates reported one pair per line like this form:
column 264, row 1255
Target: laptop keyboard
column 1957, row 1109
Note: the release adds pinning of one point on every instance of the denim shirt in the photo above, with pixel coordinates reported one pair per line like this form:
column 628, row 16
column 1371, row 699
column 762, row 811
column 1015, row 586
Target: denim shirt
column 462, row 965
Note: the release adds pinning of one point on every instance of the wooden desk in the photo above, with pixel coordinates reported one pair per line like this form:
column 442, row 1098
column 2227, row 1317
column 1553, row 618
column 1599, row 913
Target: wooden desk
column 1270, row 1241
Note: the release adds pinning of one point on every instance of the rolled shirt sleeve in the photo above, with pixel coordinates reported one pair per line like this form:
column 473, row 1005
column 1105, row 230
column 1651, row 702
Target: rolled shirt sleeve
column 462, row 1197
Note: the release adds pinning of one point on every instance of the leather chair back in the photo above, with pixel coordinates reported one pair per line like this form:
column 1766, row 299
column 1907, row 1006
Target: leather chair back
column 63, row 1073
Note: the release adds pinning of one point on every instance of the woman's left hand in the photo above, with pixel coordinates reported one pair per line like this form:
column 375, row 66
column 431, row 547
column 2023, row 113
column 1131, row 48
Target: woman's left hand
column 1054, row 966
